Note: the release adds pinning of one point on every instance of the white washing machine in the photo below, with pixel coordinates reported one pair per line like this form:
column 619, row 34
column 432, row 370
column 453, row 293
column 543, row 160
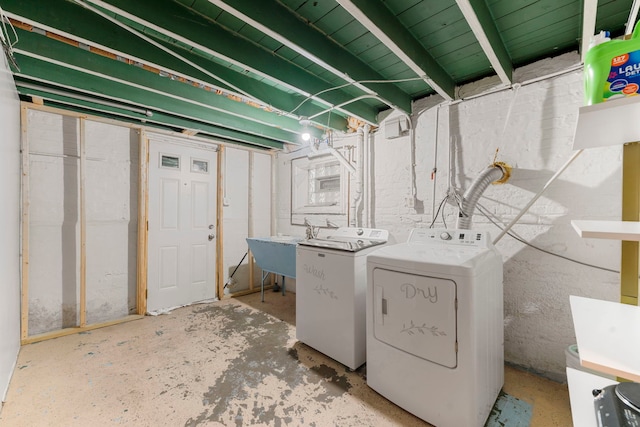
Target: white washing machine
column 331, row 287
column 435, row 343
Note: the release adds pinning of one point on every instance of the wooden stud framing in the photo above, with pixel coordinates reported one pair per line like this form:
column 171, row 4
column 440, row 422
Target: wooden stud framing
column 83, row 226
column 630, row 212
column 142, row 239
column 219, row 227
column 24, row 298
column 251, row 215
column 143, row 223
column 71, row 331
column 143, row 208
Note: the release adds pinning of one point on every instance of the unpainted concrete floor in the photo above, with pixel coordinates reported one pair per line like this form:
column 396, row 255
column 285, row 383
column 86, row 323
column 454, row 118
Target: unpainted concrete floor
column 234, row 362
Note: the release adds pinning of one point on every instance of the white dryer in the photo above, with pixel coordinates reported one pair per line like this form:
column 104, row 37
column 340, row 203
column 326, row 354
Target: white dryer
column 435, row 343
column 331, row 287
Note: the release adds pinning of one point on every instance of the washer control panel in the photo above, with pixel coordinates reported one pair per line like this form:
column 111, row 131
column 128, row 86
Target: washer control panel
column 449, row 237
column 359, row 233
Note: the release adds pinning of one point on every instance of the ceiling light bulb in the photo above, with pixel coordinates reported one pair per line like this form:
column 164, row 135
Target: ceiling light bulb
column 304, row 122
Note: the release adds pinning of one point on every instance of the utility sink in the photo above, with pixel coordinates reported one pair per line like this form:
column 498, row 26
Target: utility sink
column 275, row 254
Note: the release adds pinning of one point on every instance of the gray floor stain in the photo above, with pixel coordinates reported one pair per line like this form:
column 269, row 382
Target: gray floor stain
column 267, row 356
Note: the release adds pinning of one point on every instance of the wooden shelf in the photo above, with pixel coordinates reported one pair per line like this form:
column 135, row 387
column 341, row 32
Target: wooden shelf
column 580, row 386
column 616, row 230
column 608, row 336
column 607, row 123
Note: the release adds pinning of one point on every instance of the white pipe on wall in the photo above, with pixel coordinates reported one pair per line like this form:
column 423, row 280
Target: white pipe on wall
column 434, row 171
column 367, row 181
column 356, row 205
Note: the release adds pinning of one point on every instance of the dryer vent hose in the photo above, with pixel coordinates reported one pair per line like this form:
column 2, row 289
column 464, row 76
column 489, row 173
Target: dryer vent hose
column 497, row 173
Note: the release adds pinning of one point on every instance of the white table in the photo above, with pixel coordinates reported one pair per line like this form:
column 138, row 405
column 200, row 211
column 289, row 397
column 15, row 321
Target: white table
column 608, row 336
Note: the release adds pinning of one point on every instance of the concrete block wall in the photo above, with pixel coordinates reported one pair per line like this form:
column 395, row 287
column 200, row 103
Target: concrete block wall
column 532, row 128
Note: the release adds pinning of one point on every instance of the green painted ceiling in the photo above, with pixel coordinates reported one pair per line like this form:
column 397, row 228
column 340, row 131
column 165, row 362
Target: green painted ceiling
column 247, row 71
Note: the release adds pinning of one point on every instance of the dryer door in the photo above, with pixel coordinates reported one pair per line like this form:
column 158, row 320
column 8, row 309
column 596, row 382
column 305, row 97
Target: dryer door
column 416, row 314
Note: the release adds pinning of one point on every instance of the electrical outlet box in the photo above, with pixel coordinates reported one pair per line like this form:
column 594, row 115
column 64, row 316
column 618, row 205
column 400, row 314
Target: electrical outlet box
column 396, row 127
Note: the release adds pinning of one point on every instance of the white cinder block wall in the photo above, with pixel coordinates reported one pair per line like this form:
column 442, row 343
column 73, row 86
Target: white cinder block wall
column 532, row 126
column 9, row 227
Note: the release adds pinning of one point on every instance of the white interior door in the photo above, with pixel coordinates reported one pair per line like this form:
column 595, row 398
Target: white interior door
column 182, row 219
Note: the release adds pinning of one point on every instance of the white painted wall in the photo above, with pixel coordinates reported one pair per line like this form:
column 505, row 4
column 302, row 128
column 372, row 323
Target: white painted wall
column 260, row 215
column 111, row 203
column 9, row 227
column 236, row 217
column 54, row 221
column 111, row 180
column 247, row 211
column 533, row 129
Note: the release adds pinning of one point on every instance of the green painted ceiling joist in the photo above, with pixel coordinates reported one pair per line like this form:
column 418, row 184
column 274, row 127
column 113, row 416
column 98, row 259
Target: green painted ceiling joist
column 84, row 24
column 279, row 20
column 158, row 119
column 389, row 25
column 67, row 78
column 178, row 22
column 133, row 75
column 76, row 20
column 278, row 99
column 493, row 36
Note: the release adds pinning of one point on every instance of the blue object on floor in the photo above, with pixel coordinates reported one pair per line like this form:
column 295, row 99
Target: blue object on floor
column 509, row 412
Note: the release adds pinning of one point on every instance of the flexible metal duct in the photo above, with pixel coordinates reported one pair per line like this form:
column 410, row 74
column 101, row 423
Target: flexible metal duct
column 470, row 198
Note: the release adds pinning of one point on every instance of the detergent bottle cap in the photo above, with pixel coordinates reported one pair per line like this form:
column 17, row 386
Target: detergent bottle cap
column 601, row 37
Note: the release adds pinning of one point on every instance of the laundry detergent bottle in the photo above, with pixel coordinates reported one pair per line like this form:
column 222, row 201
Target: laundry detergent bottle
column 612, row 69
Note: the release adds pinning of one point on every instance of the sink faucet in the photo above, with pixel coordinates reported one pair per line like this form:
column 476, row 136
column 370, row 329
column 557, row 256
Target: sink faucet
column 332, row 224
column 312, row 231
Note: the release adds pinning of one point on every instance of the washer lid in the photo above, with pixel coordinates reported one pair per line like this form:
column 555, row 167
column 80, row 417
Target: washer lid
column 416, row 314
column 343, row 244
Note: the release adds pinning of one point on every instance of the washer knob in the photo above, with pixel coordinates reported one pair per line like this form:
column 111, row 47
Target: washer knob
column 445, row 236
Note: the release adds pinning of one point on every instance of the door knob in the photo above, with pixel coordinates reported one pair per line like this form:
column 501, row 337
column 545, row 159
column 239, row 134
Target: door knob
column 212, row 236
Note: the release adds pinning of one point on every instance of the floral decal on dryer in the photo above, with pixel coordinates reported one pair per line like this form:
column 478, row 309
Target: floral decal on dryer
column 413, row 328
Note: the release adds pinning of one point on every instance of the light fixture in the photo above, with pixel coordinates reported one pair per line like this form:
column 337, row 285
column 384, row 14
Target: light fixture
column 304, row 122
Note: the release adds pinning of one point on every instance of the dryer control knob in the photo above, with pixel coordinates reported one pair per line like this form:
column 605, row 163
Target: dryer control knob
column 445, row 236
